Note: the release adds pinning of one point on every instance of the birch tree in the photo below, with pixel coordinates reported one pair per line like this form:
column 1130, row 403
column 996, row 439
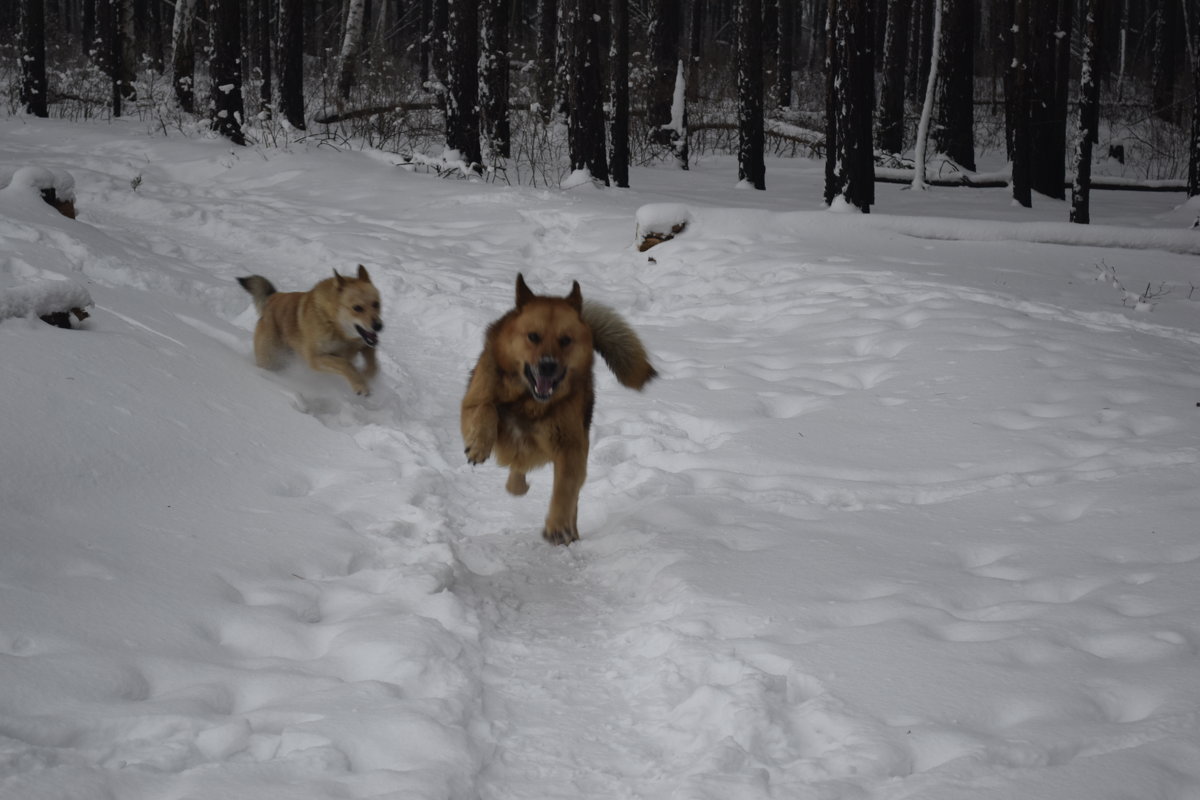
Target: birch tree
column 918, row 183
column 351, row 45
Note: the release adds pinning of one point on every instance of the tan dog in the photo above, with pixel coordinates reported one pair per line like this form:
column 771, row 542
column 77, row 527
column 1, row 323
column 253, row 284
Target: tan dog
column 328, row 325
column 531, row 394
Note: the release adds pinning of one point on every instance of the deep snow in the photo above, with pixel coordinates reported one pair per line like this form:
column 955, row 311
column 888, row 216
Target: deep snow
column 912, row 511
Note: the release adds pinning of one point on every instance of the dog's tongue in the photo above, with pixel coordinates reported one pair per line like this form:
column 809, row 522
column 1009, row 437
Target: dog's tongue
column 370, row 337
column 545, row 385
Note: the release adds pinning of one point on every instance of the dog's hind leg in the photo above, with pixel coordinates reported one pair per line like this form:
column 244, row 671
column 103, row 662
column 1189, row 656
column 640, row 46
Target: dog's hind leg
column 516, row 482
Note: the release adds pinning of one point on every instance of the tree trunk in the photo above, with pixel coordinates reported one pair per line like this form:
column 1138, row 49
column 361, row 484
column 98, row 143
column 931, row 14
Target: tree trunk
column 183, row 55
column 1017, row 106
column 850, row 161
column 618, row 160
column 1087, row 132
column 956, row 98
column 462, row 81
column 493, row 86
column 666, row 36
column 586, row 121
column 935, row 63
column 351, row 46
column 1193, row 24
column 751, row 135
column 1163, row 78
column 265, row 42
column 547, row 50
column 32, row 54
column 291, row 62
column 787, row 50
column 890, row 134
column 695, row 45
column 225, row 68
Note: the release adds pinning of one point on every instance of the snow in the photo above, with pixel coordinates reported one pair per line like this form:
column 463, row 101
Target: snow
column 910, row 513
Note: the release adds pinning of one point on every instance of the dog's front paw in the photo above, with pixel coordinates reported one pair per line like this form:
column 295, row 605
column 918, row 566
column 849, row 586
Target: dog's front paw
column 479, row 447
column 560, row 534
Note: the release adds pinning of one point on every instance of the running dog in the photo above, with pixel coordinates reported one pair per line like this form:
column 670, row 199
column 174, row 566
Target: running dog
column 328, row 325
column 530, row 396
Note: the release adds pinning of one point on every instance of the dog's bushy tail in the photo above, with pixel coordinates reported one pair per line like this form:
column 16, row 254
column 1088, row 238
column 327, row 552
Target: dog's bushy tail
column 259, row 288
column 618, row 345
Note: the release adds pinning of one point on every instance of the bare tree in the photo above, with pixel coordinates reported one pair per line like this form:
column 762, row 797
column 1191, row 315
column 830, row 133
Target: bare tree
column 32, row 54
column 666, row 38
column 225, row 68
column 956, row 95
column 1193, row 27
column 493, row 79
column 1087, row 132
column 889, row 135
column 935, row 62
column 1017, row 102
column 462, row 80
column 618, row 155
column 787, row 50
column 751, row 136
column 352, row 38
column 586, row 120
column 291, row 62
column 850, row 98
column 183, row 54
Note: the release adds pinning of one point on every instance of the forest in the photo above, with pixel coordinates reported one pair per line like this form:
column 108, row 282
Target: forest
column 1066, row 95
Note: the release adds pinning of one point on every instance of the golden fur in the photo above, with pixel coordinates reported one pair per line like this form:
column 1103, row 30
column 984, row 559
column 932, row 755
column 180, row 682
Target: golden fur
column 327, row 326
column 530, row 396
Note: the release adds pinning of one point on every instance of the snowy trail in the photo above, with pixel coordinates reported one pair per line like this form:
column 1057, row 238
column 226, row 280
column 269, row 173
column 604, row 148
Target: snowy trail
column 903, row 518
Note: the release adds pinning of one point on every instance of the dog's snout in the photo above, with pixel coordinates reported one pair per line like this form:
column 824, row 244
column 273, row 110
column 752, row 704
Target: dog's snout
column 548, row 366
column 377, row 325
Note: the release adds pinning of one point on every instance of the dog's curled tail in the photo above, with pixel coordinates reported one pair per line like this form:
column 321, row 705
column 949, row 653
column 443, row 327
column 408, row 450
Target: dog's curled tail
column 618, row 345
column 259, row 288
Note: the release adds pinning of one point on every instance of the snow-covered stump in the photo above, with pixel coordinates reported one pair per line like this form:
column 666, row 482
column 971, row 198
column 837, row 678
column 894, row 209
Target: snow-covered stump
column 660, row 222
column 55, row 186
column 54, row 302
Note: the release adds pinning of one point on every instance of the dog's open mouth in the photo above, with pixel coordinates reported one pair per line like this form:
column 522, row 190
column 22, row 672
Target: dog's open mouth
column 545, row 379
column 370, row 337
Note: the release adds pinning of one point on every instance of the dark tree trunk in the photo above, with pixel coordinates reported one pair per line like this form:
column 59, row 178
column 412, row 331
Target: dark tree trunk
column 618, row 160
column 889, row 137
column 850, row 161
column 787, row 50
column 1087, row 132
column 1163, row 78
column 1017, row 106
column 425, row 35
column 439, row 52
column 547, row 50
column 1050, row 31
column 225, row 69
column 265, row 41
column 291, row 62
column 666, row 36
column 32, row 54
column 1193, row 187
column 751, row 135
column 586, row 121
column 695, row 46
column 462, row 79
column 493, row 40
column 956, row 79
column 183, row 55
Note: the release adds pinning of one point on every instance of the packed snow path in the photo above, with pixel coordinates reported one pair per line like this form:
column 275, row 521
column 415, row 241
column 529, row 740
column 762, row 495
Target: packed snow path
column 903, row 518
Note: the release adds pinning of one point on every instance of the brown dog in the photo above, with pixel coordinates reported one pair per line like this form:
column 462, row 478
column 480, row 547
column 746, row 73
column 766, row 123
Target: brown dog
column 530, row 396
column 328, row 325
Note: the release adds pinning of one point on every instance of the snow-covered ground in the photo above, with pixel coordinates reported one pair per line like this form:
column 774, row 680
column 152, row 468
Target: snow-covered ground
column 912, row 512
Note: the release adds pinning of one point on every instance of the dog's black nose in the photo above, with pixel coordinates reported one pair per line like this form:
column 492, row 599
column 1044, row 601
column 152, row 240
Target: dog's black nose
column 548, row 367
column 377, row 325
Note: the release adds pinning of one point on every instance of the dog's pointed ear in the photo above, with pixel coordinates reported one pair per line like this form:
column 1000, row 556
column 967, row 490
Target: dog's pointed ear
column 524, row 295
column 339, row 279
column 575, row 298
column 362, row 274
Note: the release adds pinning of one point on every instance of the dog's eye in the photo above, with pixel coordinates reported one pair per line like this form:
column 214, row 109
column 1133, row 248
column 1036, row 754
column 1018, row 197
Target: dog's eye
column 564, row 341
column 535, row 337
column 358, row 309
column 375, row 306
